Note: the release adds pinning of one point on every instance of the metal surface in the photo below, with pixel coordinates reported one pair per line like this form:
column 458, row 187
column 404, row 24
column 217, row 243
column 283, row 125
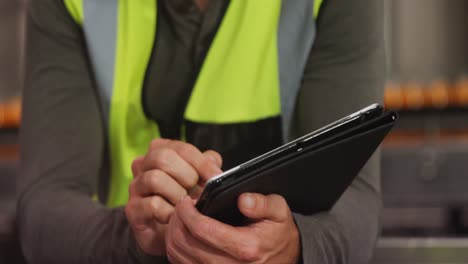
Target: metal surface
column 432, row 121
column 421, row 251
column 430, row 221
column 425, row 174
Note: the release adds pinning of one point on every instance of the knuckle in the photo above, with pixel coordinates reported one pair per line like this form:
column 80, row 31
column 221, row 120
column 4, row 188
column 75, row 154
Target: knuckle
column 155, row 179
column 216, row 155
column 206, row 165
column 160, row 210
column 162, row 158
column 164, row 219
column 190, row 181
column 157, row 204
column 207, row 169
column 186, row 149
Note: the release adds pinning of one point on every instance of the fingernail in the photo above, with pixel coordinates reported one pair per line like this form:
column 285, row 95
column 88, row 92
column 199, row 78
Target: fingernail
column 249, row 201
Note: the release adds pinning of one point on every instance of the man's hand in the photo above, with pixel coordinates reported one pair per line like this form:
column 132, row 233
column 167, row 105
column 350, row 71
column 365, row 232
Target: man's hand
column 194, row 238
column 169, row 171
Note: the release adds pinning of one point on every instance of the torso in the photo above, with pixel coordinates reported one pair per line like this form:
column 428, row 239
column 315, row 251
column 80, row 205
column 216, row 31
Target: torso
column 183, row 39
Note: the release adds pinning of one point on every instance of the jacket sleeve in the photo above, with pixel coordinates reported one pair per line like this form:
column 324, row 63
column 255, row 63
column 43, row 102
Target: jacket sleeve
column 62, row 149
column 345, row 72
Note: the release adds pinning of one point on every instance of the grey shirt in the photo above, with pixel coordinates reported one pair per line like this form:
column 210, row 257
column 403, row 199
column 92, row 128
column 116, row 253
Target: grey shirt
column 63, row 142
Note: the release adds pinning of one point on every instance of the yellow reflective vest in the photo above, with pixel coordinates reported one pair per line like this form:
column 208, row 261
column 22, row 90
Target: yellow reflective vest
column 253, row 69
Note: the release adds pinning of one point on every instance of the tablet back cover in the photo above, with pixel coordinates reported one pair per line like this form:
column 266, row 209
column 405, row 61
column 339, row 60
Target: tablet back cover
column 310, row 183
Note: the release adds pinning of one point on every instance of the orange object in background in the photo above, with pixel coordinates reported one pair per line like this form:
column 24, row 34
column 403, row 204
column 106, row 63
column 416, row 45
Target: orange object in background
column 10, row 113
column 413, row 96
column 461, row 92
column 393, row 96
column 438, row 94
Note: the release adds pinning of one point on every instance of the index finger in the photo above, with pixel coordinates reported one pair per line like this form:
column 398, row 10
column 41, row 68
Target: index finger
column 205, row 166
column 214, row 156
column 226, row 238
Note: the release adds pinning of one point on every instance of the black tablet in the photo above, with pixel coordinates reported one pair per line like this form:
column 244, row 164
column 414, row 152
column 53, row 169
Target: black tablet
column 311, row 172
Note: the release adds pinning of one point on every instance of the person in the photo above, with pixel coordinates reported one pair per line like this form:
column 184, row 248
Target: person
column 131, row 106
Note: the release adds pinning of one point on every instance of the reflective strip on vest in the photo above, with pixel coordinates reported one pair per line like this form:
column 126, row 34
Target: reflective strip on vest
column 296, row 34
column 252, row 71
column 124, row 31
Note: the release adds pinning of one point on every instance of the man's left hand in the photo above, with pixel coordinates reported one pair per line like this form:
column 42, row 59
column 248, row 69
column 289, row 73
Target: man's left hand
column 272, row 238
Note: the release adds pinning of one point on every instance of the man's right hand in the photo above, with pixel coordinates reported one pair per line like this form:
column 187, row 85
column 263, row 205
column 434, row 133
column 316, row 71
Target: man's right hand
column 169, row 171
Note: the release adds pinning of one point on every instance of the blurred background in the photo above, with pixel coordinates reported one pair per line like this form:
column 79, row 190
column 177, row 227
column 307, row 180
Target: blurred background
column 424, row 161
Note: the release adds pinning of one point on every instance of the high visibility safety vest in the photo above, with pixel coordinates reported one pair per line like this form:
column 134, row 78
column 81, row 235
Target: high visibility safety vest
column 253, row 69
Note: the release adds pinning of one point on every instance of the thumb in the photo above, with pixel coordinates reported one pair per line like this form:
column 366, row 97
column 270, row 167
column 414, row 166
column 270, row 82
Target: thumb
column 258, row 207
